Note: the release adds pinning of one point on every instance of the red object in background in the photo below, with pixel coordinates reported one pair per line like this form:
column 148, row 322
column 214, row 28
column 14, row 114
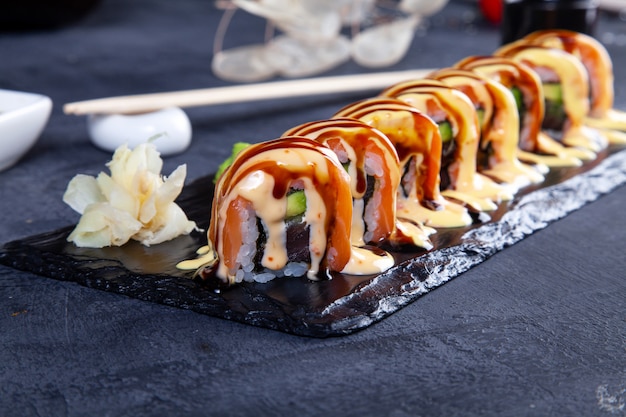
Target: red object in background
column 492, row 10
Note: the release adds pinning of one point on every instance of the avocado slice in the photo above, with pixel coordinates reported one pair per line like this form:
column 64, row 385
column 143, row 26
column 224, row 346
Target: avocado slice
column 237, row 148
column 296, row 203
column 445, row 129
column 519, row 98
column 553, row 92
column 555, row 114
column 481, row 116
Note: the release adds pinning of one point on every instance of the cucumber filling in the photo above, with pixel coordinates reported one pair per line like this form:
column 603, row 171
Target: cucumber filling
column 447, row 140
column 296, row 203
column 553, row 92
column 445, row 130
column 519, row 98
column 555, row 115
column 481, row 116
column 519, row 102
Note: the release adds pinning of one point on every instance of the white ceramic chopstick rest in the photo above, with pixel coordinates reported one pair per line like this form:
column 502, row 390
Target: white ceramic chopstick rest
column 170, row 128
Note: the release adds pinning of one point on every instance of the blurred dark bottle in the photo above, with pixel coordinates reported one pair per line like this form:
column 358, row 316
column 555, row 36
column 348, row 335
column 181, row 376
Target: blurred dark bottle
column 521, row 17
column 42, row 14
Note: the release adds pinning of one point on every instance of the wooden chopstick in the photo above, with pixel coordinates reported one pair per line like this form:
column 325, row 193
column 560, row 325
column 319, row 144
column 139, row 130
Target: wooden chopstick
column 241, row 93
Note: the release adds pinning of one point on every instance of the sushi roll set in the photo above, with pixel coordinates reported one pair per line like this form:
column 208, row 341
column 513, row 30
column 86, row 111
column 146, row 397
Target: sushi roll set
column 388, row 172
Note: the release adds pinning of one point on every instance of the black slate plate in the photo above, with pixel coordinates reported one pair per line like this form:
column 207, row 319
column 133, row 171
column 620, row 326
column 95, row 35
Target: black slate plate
column 295, row 305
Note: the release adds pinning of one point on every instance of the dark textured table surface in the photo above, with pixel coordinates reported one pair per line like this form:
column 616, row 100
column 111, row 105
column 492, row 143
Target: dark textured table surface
column 538, row 329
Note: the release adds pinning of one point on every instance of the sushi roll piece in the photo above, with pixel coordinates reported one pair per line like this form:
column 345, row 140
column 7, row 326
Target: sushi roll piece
column 565, row 108
column 283, row 208
column 599, row 66
column 535, row 146
column 499, row 127
column 372, row 162
column 417, row 141
column 457, row 119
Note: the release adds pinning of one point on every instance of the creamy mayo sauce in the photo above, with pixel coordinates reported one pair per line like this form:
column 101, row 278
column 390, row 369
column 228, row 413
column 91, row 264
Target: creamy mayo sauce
column 551, row 146
column 206, row 258
column 258, row 188
column 476, row 203
column 315, row 216
column 547, row 161
column 417, row 234
column 358, row 223
column 614, row 120
column 449, row 215
column 584, row 137
column 514, row 174
column 366, row 262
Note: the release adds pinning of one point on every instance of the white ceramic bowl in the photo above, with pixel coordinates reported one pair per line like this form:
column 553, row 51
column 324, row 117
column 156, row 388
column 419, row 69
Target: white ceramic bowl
column 22, row 118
